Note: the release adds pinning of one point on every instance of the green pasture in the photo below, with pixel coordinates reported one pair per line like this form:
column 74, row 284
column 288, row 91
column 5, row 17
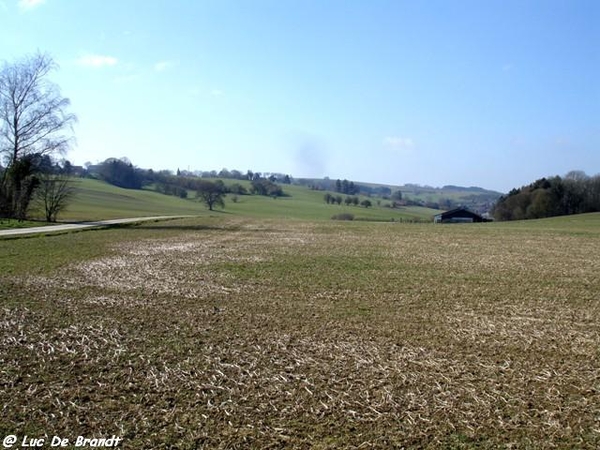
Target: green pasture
column 303, row 203
column 96, row 200
column 7, row 224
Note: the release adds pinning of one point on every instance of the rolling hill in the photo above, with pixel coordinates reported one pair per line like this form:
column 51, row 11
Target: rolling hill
column 96, row 200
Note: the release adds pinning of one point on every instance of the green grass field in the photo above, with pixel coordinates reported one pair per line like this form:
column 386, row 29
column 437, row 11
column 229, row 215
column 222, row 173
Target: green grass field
column 7, row 224
column 303, row 203
column 96, row 200
column 224, row 331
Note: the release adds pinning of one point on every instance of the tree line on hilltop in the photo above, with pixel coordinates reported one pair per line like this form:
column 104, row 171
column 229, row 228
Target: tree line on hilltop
column 122, row 173
column 208, row 186
column 345, row 187
column 574, row 193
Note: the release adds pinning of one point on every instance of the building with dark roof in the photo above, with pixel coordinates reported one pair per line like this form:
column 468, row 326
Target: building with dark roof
column 459, row 215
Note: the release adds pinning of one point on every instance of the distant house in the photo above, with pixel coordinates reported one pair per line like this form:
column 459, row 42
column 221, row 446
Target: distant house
column 459, row 215
column 77, row 171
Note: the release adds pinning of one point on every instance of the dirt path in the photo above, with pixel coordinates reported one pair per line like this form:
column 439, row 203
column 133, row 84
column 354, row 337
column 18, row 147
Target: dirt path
column 81, row 225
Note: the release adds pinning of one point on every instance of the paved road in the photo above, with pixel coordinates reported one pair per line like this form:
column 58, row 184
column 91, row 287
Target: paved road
column 81, row 225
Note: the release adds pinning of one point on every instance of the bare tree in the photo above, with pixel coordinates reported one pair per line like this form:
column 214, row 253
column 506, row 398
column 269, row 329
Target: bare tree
column 54, row 193
column 34, row 121
column 211, row 193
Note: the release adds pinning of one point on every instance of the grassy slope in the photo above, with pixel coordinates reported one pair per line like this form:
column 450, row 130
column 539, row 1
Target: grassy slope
column 7, row 224
column 230, row 332
column 428, row 194
column 97, row 200
column 304, row 203
column 575, row 224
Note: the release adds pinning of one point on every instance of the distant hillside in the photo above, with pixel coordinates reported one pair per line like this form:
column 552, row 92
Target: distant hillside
column 122, row 173
column 475, row 198
column 451, row 187
column 448, row 197
column 96, row 200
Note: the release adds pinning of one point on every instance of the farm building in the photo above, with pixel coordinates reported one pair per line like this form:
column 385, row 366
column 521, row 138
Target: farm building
column 458, row 215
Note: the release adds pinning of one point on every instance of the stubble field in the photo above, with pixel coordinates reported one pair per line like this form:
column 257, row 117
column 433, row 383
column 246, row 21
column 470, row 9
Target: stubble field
column 239, row 333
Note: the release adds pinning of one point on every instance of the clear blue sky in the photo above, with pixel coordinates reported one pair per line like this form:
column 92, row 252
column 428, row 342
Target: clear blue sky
column 487, row 93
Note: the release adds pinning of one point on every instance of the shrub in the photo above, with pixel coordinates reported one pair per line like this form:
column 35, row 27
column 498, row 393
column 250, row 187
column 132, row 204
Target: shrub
column 343, row 216
column 238, row 189
column 266, row 187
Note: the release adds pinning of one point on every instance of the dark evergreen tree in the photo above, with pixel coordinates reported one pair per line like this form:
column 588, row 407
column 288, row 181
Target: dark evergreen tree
column 338, row 186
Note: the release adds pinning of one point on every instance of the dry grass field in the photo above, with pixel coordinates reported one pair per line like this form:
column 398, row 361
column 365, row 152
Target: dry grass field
column 239, row 333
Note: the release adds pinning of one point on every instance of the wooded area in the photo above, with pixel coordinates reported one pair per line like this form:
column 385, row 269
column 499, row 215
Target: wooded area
column 576, row 193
